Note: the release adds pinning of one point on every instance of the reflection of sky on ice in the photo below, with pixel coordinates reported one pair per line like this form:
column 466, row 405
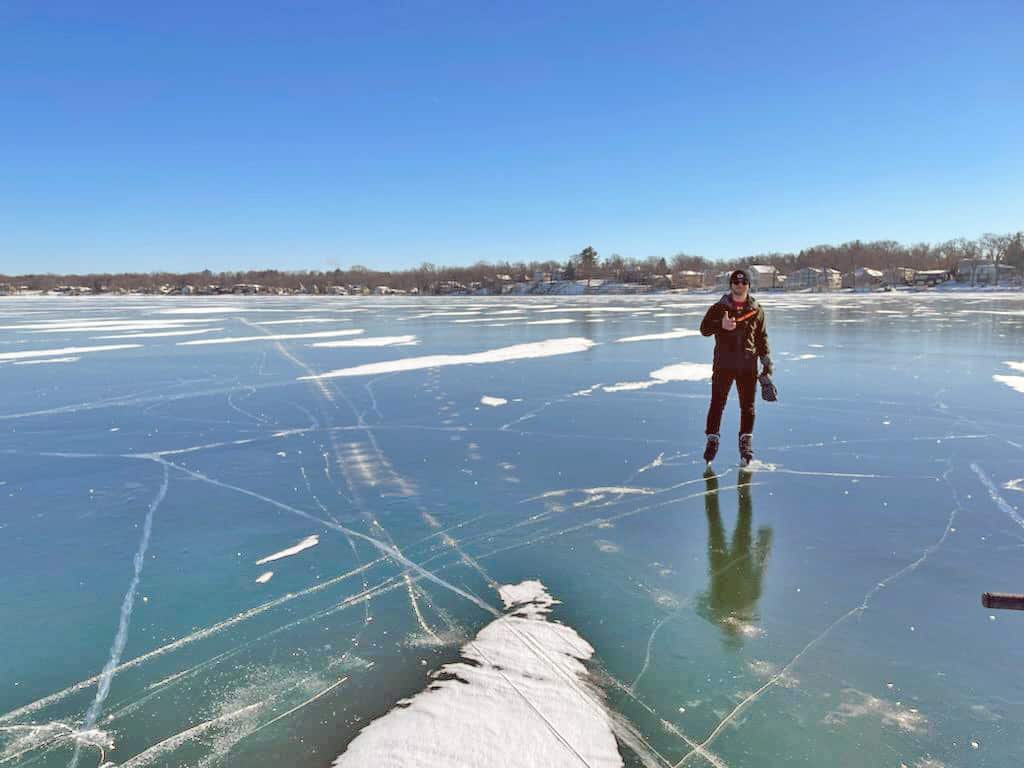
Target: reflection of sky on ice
column 825, row 603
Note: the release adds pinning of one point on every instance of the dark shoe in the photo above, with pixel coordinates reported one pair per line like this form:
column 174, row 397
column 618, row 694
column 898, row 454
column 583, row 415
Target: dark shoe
column 746, row 449
column 711, row 449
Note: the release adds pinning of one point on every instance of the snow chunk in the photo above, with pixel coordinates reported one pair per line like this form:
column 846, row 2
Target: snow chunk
column 494, row 402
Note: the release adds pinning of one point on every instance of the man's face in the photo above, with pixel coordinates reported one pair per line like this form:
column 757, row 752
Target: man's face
column 739, row 287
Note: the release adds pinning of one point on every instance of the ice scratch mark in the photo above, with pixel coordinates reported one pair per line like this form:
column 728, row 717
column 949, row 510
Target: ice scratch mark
column 385, row 549
column 993, row 493
column 310, row 700
column 170, row 744
column 117, row 649
column 196, row 636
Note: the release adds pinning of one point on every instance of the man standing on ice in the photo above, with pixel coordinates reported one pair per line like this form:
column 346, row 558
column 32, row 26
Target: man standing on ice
column 737, row 323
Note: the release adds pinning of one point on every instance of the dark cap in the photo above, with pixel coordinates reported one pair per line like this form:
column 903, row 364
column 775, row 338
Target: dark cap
column 738, row 272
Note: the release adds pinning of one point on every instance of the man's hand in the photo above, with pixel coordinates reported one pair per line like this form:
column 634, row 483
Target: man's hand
column 728, row 323
column 768, row 368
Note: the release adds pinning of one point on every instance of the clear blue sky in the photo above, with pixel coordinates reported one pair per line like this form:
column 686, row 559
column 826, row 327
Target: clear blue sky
column 184, row 135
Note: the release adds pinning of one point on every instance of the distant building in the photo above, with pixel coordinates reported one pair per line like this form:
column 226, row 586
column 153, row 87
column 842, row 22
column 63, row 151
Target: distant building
column 247, row 289
column 864, row 279
column 762, row 277
column 901, row 275
column 806, row 279
column 814, row 279
column 929, row 277
column 688, row 278
column 984, row 272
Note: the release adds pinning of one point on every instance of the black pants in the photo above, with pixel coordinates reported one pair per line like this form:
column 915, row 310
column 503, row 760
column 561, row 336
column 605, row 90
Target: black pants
column 721, row 383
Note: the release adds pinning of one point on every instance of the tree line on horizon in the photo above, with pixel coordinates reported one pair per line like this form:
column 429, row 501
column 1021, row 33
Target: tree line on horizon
column 585, row 265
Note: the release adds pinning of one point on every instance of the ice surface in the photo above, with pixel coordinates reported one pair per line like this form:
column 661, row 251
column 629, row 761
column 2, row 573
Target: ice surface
column 822, row 601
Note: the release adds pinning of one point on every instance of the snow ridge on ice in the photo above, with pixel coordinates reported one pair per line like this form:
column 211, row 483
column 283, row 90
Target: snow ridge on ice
column 520, row 698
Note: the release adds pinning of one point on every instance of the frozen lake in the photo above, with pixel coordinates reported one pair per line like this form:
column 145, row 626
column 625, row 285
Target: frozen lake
column 265, row 532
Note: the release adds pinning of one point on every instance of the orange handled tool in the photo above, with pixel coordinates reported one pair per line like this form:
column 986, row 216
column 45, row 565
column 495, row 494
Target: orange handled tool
column 746, row 316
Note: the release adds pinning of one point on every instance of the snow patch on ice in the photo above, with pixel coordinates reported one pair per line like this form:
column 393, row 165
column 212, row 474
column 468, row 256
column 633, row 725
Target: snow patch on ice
column 856, row 703
column 678, row 333
column 677, row 372
column 303, row 321
column 26, row 354
column 547, row 348
column 263, row 578
column 494, row 402
column 48, row 360
column 273, row 337
column 306, row 543
column 520, row 698
column 371, row 341
column 159, row 334
column 1013, row 382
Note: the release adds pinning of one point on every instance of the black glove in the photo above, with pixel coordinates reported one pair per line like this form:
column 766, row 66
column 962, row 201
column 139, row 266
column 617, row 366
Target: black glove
column 766, row 363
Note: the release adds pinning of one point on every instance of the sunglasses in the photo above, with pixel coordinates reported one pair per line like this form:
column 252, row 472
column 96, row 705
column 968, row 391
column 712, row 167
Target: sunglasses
column 739, row 281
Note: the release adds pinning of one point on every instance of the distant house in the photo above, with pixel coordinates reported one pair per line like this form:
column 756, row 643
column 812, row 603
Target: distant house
column 984, row 272
column 762, row 277
column 337, row 290
column 447, row 287
column 688, row 278
column 806, row 279
column 659, row 281
column 901, row 275
column 864, row 279
column 187, row 290
column 814, row 279
column 929, row 277
column 247, row 289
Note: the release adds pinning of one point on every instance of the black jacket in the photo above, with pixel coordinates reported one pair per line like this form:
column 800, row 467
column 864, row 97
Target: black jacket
column 737, row 351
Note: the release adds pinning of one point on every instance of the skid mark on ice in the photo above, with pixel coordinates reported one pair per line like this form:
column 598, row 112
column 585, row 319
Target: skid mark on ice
column 295, row 709
column 117, row 649
column 386, row 549
column 174, row 742
column 993, row 493
column 196, row 636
